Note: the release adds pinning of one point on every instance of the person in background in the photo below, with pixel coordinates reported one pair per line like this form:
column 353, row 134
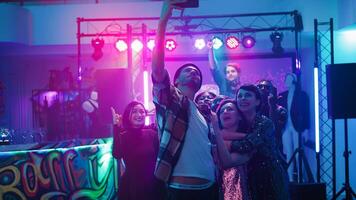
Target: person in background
column 136, row 146
column 204, row 101
column 228, row 78
column 272, row 110
column 296, row 102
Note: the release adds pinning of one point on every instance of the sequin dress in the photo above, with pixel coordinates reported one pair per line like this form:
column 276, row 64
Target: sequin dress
column 266, row 173
column 235, row 183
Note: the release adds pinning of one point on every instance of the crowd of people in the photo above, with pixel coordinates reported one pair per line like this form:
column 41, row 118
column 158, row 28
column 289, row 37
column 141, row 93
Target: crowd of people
column 203, row 146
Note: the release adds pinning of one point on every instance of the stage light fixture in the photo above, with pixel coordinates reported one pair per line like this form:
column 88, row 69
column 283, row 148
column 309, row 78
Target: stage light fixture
column 98, row 45
column 217, row 43
column 248, row 41
column 121, row 45
column 232, row 42
column 200, row 43
column 171, row 44
column 151, row 44
column 136, row 45
column 276, row 38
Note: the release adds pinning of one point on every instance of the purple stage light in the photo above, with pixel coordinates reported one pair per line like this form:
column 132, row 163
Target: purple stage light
column 248, row 41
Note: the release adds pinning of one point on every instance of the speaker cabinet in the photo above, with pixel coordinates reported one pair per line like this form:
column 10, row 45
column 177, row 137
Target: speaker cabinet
column 341, row 90
column 307, row 191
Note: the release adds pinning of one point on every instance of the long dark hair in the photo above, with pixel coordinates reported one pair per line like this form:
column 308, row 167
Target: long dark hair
column 242, row 122
column 126, row 123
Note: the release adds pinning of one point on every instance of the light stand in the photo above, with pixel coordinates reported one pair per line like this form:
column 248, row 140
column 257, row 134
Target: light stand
column 346, row 188
column 301, row 159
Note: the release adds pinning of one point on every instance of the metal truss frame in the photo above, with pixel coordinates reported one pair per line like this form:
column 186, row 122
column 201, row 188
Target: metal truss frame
column 324, row 54
column 128, row 28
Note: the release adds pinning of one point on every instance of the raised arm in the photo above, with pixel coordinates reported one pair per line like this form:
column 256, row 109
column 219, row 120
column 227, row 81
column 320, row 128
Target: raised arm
column 213, row 62
column 217, row 72
column 158, row 52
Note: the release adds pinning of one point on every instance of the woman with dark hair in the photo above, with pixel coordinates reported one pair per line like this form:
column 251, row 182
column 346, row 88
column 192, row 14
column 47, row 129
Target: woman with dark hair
column 267, row 176
column 137, row 146
column 226, row 125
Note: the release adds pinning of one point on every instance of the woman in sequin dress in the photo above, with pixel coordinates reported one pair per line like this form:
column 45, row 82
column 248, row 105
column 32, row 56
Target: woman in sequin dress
column 234, row 180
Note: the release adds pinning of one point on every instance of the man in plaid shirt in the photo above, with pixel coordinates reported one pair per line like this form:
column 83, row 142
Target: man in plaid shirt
column 185, row 160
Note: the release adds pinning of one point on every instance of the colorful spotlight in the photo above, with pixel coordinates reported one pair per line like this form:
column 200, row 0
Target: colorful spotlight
column 217, row 43
column 98, row 45
column 248, row 41
column 121, row 45
column 276, row 38
column 136, row 45
column 199, row 44
column 171, row 44
column 151, row 44
column 232, row 42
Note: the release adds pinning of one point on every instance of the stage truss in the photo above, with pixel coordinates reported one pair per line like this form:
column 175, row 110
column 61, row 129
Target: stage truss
column 144, row 28
column 324, row 55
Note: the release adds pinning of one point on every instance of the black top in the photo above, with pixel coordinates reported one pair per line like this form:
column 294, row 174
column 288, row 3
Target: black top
column 299, row 110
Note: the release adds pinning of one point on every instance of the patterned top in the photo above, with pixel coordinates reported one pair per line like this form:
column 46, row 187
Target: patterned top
column 172, row 120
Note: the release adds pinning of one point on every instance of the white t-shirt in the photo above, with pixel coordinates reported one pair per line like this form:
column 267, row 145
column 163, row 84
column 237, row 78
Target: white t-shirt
column 195, row 159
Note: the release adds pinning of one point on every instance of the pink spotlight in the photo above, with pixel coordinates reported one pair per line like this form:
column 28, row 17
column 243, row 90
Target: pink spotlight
column 232, row 42
column 136, row 45
column 121, row 45
column 151, row 44
column 199, row 44
column 171, row 44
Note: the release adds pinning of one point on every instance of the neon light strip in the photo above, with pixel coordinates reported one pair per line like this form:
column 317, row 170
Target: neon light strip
column 316, row 105
column 145, row 94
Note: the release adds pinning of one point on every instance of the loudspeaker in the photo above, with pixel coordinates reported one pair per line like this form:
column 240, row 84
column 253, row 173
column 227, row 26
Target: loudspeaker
column 188, row 4
column 341, row 90
column 114, row 90
column 307, row 191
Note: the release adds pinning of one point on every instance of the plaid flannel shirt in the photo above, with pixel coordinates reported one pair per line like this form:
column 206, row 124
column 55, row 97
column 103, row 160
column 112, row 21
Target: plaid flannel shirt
column 172, row 119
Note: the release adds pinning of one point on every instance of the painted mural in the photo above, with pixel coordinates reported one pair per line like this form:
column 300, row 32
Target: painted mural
column 63, row 172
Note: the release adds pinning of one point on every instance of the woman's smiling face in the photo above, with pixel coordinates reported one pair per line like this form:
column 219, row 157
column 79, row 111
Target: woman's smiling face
column 247, row 101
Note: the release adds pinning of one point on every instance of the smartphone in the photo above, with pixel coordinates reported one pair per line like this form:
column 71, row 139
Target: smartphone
column 187, row 3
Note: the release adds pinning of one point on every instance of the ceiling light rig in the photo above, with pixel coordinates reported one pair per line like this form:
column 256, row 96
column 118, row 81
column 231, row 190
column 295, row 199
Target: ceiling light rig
column 97, row 44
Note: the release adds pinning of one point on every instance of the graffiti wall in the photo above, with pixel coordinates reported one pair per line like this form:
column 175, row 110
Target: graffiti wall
column 67, row 172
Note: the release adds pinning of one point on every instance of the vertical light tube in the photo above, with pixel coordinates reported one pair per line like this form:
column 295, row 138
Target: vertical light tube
column 316, row 105
column 145, row 95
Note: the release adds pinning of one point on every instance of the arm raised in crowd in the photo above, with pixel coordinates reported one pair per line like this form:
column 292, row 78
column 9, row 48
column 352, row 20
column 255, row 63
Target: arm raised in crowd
column 215, row 68
column 158, row 52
